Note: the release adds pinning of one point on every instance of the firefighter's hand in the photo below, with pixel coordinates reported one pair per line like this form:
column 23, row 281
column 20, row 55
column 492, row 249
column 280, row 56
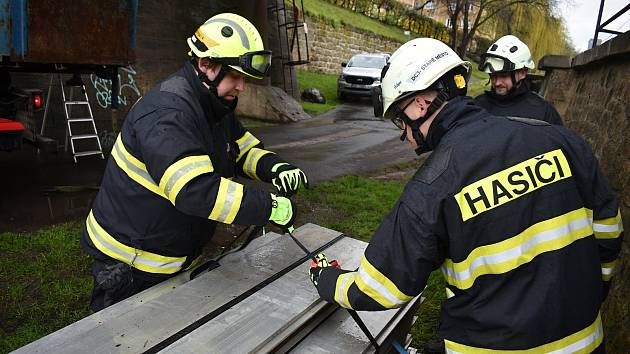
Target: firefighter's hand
column 283, row 212
column 321, row 264
column 288, row 178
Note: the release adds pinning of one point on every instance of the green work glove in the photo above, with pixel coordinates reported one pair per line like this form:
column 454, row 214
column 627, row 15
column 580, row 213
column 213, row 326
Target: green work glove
column 282, row 212
column 288, row 178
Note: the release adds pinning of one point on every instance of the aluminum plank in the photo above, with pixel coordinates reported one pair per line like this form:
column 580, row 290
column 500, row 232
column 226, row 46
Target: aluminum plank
column 265, row 319
column 340, row 334
column 146, row 319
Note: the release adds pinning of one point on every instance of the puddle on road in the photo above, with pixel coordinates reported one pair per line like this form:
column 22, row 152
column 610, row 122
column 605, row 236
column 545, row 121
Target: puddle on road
column 30, row 211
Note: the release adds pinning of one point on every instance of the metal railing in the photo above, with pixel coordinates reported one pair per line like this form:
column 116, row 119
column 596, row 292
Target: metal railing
column 600, row 26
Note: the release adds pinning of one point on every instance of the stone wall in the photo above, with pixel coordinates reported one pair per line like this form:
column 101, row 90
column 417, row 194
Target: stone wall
column 592, row 93
column 330, row 46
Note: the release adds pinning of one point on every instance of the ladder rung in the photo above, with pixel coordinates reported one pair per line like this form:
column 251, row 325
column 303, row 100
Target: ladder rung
column 74, row 120
column 88, row 153
column 76, row 102
column 83, row 136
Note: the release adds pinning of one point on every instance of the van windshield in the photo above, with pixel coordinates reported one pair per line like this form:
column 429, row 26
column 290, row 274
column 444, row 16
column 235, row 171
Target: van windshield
column 367, row 62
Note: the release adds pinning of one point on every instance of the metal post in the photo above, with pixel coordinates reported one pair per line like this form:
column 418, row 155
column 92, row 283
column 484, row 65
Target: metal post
column 50, row 85
column 599, row 21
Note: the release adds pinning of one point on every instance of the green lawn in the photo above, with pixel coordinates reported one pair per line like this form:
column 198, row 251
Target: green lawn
column 45, row 283
column 339, row 16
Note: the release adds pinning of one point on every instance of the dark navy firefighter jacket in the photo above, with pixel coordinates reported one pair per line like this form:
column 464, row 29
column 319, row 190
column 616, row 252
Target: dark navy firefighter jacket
column 522, row 224
column 169, row 179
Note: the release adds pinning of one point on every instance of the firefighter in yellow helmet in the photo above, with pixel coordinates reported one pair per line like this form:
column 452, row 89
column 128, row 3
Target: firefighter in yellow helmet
column 170, row 178
column 514, row 212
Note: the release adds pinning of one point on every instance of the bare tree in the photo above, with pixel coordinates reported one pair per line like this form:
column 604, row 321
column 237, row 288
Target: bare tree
column 479, row 11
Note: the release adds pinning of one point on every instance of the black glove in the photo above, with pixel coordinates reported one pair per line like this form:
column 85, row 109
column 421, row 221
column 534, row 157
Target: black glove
column 283, row 212
column 317, row 267
column 288, row 178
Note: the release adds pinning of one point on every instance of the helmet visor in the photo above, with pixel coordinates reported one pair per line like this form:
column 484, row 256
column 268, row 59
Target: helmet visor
column 255, row 64
column 259, row 62
column 493, row 63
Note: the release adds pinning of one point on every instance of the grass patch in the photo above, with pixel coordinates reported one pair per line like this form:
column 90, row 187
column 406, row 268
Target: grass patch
column 45, row 283
column 338, row 16
column 362, row 203
column 325, row 83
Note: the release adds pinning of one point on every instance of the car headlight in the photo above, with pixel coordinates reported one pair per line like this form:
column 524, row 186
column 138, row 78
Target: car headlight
column 342, row 77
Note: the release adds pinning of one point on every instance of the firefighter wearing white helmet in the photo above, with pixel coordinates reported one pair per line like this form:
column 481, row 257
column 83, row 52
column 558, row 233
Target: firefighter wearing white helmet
column 172, row 173
column 513, row 211
column 507, row 62
column 424, row 73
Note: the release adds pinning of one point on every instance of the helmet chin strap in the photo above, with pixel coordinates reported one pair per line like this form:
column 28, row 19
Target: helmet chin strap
column 420, row 140
column 212, row 84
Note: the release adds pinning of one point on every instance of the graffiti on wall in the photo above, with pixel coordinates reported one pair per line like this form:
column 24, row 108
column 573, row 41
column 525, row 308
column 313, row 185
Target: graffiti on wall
column 103, row 87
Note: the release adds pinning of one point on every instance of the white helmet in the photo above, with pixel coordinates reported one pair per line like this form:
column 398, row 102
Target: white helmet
column 507, row 54
column 420, row 64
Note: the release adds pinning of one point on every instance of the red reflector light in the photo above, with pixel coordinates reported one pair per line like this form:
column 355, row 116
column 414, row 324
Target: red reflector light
column 37, row 101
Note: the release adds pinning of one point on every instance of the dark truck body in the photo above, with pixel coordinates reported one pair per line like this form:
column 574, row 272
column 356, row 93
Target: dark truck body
column 44, row 35
column 63, row 36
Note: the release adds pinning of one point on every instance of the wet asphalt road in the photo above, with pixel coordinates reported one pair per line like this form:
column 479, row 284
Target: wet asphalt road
column 346, row 140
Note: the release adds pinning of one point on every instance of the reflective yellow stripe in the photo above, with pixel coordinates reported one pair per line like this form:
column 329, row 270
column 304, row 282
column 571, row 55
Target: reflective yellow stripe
column 174, row 178
column 449, row 293
column 608, row 228
column 142, row 260
column 584, row 341
column 251, row 161
column 134, row 168
column 246, row 142
column 376, row 285
column 608, row 269
column 183, row 171
column 504, row 256
column 344, row 281
column 512, row 183
column 228, row 201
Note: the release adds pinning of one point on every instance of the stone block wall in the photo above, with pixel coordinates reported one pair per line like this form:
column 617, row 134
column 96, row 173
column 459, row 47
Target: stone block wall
column 592, row 95
column 330, row 46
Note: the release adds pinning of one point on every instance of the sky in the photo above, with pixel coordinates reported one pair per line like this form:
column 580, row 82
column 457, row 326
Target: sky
column 580, row 17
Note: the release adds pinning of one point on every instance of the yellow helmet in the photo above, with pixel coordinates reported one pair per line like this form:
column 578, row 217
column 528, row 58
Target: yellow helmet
column 232, row 40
